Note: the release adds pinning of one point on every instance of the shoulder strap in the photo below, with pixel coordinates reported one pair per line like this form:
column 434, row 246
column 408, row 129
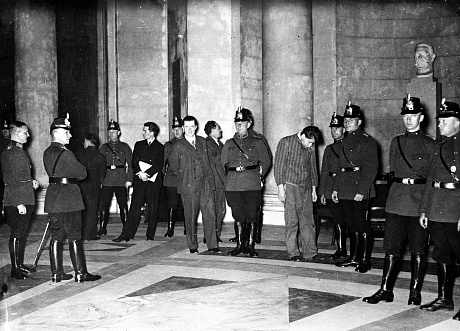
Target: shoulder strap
column 113, row 152
column 335, row 153
column 56, row 162
column 245, row 155
column 452, row 173
column 405, row 160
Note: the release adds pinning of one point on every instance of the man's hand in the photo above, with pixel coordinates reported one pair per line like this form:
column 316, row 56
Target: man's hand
column 35, row 184
column 335, row 197
column 424, row 221
column 22, row 209
column 128, row 184
column 143, row 176
column 358, row 197
column 458, row 225
column 314, row 196
column 323, row 199
column 282, row 193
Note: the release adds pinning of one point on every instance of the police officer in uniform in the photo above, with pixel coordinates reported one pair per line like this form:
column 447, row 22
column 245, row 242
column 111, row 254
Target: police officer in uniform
column 410, row 159
column 329, row 170
column 440, row 208
column 118, row 178
column 176, row 208
column 64, row 203
column 354, row 186
column 246, row 158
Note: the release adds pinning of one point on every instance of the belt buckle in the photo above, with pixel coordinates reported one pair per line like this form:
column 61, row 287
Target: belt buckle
column 437, row 184
column 113, row 167
column 342, row 169
column 239, row 168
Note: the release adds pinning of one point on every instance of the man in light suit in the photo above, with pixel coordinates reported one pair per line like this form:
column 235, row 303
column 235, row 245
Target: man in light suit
column 189, row 162
column 148, row 158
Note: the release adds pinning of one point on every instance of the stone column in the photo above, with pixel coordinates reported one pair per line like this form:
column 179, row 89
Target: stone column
column 36, row 90
column 287, row 71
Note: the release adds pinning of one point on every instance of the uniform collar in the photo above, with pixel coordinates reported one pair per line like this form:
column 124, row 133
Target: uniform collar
column 242, row 136
column 415, row 133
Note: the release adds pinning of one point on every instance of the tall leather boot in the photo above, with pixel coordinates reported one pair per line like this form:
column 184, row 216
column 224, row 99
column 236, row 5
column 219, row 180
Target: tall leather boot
column 341, row 238
column 171, row 224
column 251, row 239
column 16, row 271
column 103, row 220
column 367, row 244
column 239, row 239
column 446, row 279
column 4, row 289
column 353, row 259
column 21, row 253
column 123, row 213
column 385, row 293
column 417, row 271
column 57, row 269
column 77, row 255
column 258, row 226
column 235, row 238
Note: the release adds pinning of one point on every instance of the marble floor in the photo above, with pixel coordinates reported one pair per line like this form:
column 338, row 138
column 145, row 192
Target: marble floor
column 159, row 285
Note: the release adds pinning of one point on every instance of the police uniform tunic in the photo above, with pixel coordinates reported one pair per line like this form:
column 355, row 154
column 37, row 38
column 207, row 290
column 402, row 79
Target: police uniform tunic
column 403, row 202
column 63, row 202
column 19, row 188
column 240, row 179
column 359, row 152
column 441, row 205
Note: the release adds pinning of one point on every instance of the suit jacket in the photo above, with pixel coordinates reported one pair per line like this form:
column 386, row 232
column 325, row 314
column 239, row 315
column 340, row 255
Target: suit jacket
column 191, row 166
column 63, row 198
column 169, row 180
column 95, row 167
column 152, row 154
column 214, row 152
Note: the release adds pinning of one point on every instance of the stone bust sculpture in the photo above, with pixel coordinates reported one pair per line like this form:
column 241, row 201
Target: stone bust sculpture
column 424, row 58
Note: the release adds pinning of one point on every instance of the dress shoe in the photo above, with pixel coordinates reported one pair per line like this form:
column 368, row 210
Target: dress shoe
column 315, row 258
column 457, row 316
column 338, row 254
column 380, row 295
column 81, row 278
column 347, row 263
column 219, row 240
column 214, row 250
column 438, row 303
column 56, row 278
column 415, row 297
column 150, row 238
column 121, row 238
column 296, row 258
column 204, row 240
column 18, row 274
column 363, row 268
column 102, row 232
column 194, row 251
column 233, row 240
column 4, row 289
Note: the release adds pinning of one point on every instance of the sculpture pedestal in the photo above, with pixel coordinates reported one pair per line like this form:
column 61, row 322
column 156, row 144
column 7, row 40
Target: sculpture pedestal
column 429, row 90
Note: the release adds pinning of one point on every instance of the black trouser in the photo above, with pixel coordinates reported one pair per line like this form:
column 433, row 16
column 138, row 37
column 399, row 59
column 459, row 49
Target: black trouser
column 336, row 211
column 19, row 223
column 244, row 204
column 446, row 241
column 65, row 225
column 90, row 219
column 397, row 227
column 121, row 193
column 354, row 214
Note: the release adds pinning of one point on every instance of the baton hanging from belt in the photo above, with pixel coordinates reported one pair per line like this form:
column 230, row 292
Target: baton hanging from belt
column 40, row 247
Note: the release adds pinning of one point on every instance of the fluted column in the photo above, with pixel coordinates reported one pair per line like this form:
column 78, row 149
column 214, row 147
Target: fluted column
column 287, row 70
column 36, row 91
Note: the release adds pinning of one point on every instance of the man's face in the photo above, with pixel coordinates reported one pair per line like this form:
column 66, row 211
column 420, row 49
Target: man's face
column 6, row 134
column 423, row 60
column 21, row 134
column 216, row 133
column 178, row 132
column 306, row 142
column 412, row 121
column 189, row 128
column 242, row 127
column 351, row 123
column 337, row 133
column 448, row 126
column 62, row 136
column 147, row 134
column 114, row 135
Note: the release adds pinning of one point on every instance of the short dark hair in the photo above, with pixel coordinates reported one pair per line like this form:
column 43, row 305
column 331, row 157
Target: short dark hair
column 153, row 128
column 311, row 132
column 92, row 138
column 189, row 118
column 16, row 125
column 210, row 125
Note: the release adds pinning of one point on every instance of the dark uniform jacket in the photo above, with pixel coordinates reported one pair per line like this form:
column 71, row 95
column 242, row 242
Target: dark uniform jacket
column 169, row 180
column 440, row 204
column 258, row 154
column 418, row 148
column 122, row 157
column 214, row 153
column 63, row 198
column 152, row 154
column 191, row 166
column 361, row 149
column 17, row 177
column 95, row 168
column 330, row 168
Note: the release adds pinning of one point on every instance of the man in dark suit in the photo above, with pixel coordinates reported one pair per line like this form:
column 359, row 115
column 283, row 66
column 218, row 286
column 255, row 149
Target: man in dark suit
column 91, row 185
column 214, row 146
column 148, row 158
column 4, row 142
column 189, row 162
column 64, row 203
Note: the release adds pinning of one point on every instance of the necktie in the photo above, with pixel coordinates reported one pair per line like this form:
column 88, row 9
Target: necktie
column 193, row 144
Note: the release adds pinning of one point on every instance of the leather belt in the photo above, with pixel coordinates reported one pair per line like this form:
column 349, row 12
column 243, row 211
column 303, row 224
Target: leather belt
column 449, row 186
column 332, row 174
column 62, row 180
column 115, row 167
column 408, row 181
column 350, row 169
column 243, row 168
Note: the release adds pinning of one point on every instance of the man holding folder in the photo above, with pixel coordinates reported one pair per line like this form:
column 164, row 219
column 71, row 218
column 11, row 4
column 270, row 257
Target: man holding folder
column 147, row 162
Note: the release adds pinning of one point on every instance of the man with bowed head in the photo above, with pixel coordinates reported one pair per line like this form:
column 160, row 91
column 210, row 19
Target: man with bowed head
column 64, row 203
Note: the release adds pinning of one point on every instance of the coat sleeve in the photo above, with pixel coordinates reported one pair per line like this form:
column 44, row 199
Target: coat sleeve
column 129, row 158
column 157, row 165
column 369, row 167
column 281, row 156
column 324, row 171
